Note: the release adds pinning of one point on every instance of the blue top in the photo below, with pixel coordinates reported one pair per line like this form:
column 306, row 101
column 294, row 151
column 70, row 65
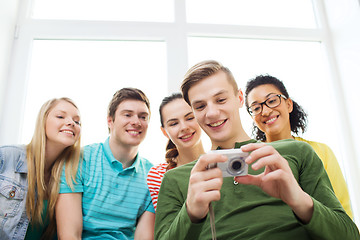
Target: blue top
column 13, row 189
column 113, row 198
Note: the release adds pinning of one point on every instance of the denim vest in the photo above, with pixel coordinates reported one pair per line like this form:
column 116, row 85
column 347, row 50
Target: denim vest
column 13, row 189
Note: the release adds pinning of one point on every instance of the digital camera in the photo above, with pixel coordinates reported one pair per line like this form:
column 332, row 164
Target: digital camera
column 235, row 165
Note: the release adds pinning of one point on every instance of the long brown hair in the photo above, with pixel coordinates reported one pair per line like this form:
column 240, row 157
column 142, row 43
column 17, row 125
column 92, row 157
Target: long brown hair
column 38, row 190
column 171, row 150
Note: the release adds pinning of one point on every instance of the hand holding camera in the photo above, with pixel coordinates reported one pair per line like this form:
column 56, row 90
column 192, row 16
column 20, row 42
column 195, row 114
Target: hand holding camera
column 204, row 186
column 277, row 179
column 207, row 177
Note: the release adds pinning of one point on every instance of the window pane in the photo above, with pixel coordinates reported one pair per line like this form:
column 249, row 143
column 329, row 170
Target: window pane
column 109, row 10
column 300, row 65
column 275, row 13
column 90, row 72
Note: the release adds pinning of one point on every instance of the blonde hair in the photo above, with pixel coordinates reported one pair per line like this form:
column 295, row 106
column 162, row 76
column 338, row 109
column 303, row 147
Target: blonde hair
column 38, row 190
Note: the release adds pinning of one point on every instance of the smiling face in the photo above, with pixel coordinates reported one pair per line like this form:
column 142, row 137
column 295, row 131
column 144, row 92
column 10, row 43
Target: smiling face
column 130, row 123
column 180, row 124
column 62, row 126
column 274, row 122
column 216, row 108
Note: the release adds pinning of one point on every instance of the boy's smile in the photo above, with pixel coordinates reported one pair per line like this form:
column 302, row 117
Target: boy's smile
column 216, row 108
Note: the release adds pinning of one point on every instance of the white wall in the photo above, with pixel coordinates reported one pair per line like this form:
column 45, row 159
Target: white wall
column 344, row 24
column 344, row 28
column 8, row 17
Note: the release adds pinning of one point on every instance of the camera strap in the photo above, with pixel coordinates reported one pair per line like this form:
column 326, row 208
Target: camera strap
column 212, row 221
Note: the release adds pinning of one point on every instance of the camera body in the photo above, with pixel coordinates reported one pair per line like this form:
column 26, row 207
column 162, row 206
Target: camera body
column 235, row 165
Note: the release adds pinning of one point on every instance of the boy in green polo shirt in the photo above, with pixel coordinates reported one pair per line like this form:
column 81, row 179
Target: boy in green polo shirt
column 286, row 195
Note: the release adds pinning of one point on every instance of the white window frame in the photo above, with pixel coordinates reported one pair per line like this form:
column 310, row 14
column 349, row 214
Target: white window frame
column 175, row 35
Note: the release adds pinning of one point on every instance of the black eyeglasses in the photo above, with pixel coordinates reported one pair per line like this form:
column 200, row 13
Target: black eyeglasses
column 271, row 102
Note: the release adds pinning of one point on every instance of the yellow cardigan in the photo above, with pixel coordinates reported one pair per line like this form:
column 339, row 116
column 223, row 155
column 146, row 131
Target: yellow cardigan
column 333, row 170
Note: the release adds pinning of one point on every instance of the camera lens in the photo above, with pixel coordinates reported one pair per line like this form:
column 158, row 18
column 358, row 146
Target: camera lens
column 236, row 165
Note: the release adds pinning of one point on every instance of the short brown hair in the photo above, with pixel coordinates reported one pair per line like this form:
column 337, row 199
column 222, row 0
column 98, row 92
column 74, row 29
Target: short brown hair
column 203, row 70
column 126, row 94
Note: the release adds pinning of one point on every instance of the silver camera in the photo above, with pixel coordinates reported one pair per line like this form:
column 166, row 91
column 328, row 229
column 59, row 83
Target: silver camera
column 235, row 165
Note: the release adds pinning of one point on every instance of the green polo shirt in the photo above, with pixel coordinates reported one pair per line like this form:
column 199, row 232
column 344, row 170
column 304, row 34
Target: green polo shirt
column 246, row 212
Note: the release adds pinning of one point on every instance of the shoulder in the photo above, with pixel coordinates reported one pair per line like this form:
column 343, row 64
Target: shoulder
column 175, row 181
column 181, row 172
column 13, row 149
column 144, row 163
column 322, row 150
column 291, row 146
column 91, row 149
column 157, row 171
column 315, row 145
column 300, row 155
column 12, row 156
column 159, row 168
column 297, row 152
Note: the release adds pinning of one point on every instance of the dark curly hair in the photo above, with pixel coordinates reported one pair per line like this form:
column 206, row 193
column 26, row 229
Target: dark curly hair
column 171, row 150
column 298, row 117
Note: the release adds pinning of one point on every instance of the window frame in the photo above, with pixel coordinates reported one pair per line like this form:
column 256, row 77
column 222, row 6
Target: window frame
column 175, row 35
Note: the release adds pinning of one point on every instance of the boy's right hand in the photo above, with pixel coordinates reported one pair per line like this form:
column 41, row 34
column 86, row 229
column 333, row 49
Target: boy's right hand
column 204, row 186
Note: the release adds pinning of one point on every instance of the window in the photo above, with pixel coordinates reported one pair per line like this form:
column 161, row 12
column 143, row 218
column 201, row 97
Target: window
column 150, row 44
column 90, row 72
column 105, row 10
column 275, row 13
column 63, row 56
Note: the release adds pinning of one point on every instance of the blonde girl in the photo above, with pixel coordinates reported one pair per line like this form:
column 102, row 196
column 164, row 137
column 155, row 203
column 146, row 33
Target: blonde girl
column 30, row 175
